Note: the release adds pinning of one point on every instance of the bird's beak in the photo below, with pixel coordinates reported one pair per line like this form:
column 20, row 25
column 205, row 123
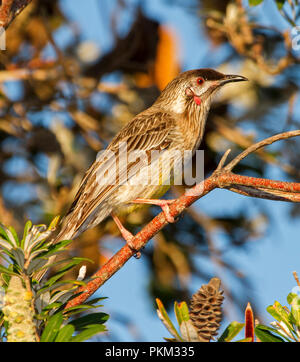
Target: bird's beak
column 228, row 78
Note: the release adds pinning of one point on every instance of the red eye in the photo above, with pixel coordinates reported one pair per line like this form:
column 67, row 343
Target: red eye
column 200, row 81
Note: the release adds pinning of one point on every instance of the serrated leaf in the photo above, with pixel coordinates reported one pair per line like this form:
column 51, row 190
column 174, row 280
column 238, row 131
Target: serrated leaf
column 265, row 335
column 85, row 321
column 163, row 316
column 88, row 333
column 65, row 333
column 231, row 331
column 52, row 328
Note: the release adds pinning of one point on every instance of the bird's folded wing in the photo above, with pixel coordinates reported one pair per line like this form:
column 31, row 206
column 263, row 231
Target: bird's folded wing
column 146, row 133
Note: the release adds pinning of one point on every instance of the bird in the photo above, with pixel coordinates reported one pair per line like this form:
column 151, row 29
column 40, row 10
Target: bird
column 116, row 182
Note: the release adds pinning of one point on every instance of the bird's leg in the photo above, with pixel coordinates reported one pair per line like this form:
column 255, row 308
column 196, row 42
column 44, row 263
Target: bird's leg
column 164, row 204
column 125, row 233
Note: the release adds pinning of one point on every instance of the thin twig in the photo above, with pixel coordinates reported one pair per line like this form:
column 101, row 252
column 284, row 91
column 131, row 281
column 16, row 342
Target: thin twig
column 296, row 278
column 261, row 144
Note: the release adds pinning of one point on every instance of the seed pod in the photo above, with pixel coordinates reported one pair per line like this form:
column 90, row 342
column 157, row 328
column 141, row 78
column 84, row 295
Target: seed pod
column 18, row 312
column 206, row 309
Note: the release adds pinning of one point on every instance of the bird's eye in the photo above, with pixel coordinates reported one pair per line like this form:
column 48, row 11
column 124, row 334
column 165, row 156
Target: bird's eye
column 200, row 81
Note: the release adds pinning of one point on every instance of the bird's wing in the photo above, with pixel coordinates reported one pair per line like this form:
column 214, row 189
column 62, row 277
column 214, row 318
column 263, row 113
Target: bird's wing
column 145, row 132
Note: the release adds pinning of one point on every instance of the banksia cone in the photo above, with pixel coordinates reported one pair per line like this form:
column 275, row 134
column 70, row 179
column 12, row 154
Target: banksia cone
column 206, row 309
column 18, row 312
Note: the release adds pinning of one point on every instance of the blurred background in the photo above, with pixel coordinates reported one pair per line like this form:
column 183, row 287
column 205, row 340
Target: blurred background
column 74, row 72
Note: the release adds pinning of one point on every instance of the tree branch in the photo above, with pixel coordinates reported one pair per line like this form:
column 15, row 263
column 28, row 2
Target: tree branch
column 10, row 9
column 221, row 178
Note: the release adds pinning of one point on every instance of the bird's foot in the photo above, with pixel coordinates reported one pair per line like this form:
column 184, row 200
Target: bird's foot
column 126, row 235
column 164, row 204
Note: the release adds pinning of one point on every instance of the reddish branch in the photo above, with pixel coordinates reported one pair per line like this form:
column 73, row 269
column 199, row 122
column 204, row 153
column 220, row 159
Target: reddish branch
column 221, row 178
column 9, row 9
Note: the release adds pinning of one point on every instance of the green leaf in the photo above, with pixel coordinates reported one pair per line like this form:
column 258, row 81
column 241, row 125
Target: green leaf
column 6, row 246
column 81, row 308
column 95, row 300
column 291, row 297
column 231, row 331
column 181, row 312
column 59, row 284
column 15, row 235
column 19, row 256
column 54, row 223
column 35, row 265
column 52, row 328
column 8, row 236
column 27, row 227
column 280, row 314
column 295, row 310
column 280, row 3
column 265, row 335
column 5, row 270
column 255, row 2
column 88, row 333
column 85, row 321
column 274, row 330
column 65, row 333
column 163, row 316
column 74, row 261
column 57, row 248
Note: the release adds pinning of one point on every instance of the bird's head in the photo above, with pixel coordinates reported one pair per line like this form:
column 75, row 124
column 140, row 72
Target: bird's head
column 194, row 88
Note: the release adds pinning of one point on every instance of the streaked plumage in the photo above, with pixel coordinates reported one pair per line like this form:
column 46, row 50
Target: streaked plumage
column 174, row 122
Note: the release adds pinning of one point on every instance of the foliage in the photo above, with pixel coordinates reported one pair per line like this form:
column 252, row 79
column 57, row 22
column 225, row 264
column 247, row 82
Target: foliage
column 34, row 310
column 285, row 328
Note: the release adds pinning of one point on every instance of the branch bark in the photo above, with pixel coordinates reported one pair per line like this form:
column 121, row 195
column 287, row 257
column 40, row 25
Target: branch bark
column 10, row 9
column 221, row 178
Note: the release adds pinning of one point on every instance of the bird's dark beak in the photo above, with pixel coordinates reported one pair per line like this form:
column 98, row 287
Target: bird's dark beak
column 228, row 78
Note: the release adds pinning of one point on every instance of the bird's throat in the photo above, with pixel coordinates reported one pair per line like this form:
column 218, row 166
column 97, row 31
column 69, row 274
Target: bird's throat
column 197, row 100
